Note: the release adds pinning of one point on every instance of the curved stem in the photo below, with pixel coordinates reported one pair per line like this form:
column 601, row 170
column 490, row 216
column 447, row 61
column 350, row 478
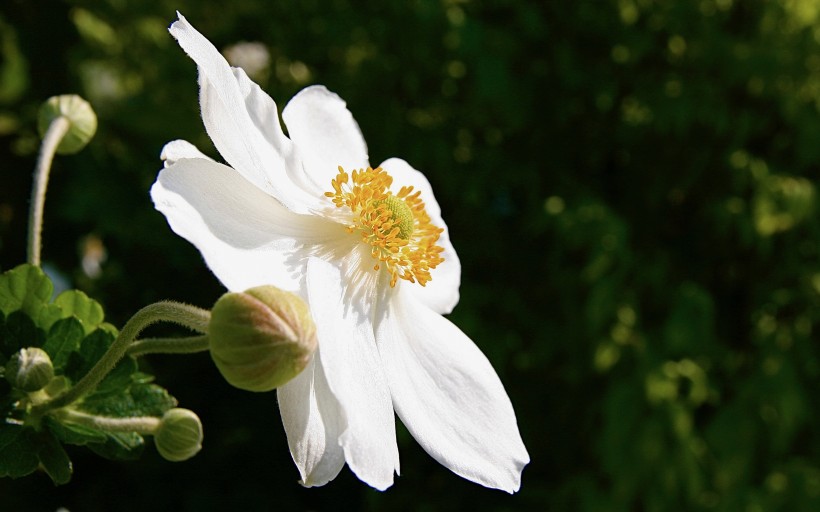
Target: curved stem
column 187, row 345
column 138, row 424
column 189, row 316
column 55, row 133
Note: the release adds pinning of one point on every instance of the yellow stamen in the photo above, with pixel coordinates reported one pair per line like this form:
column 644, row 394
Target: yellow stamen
column 396, row 226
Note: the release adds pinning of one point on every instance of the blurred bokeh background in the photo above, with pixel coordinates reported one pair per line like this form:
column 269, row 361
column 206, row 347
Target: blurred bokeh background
column 631, row 186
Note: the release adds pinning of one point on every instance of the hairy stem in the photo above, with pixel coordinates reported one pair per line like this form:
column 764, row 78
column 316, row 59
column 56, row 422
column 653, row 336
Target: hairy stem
column 55, row 133
column 191, row 317
column 138, row 424
column 187, row 345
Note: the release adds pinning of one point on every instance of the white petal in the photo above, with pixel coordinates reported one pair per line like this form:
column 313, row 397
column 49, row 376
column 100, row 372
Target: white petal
column 242, row 121
column 449, row 397
column 179, row 149
column 325, row 134
column 354, row 373
column 313, row 424
column 440, row 294
column 246, row 237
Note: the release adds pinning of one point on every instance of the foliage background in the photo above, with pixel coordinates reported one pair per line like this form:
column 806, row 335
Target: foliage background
column 631, row 185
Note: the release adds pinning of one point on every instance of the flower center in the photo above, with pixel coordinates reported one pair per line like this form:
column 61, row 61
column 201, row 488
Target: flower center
column 396, row 226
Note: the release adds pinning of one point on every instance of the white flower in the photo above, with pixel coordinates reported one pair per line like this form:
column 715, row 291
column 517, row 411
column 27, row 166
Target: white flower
column 368, row 250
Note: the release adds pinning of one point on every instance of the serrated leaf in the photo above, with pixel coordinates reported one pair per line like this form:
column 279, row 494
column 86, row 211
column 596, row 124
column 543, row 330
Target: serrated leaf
column 152, row 400
column 109, row 328
column 74, row 434
column 19, row 331
column 88, row 311
column 91, row 350
column 49, row 314
column 117, row 405
column 137, row 400
column 25, row 287
column 18, row 451
column 62, row 340
column 118, row 379
column 53, row 458
column 120, row 446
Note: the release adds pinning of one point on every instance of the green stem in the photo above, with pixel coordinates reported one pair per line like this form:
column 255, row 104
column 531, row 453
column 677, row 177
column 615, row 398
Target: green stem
column 55, row 133
column 187, row 345
column 138, row 424
column 189, row 316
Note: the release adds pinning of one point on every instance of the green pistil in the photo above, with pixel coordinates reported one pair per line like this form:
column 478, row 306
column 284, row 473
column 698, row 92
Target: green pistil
column 401, row 214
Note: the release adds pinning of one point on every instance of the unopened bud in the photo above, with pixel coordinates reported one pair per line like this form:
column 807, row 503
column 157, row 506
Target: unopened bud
column 30, row 369
column 81, row 118
column 179, row 435
column 261, row 338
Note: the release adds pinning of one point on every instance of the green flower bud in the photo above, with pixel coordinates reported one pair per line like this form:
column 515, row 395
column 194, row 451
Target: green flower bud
column 261, row 338
column 30, row 369
column 81, row 117
column 179, row 435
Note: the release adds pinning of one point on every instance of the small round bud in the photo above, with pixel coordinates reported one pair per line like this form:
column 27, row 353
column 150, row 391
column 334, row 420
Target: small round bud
column 179, row 435
column 81, row 117
column 30, row 369
column 261, row 338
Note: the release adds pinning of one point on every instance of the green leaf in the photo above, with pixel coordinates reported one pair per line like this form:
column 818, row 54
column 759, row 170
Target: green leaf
column 88, row 311
column 137, row 400
column 119, row 378
column 152, row 400
column 25, row 287
column 74, row 434
column 117, row 405
column 120, row 446
column 18, row 451
column 53, row 458
column 91, row 350
column 48, row 314
column 63, row 339
column 18, row 332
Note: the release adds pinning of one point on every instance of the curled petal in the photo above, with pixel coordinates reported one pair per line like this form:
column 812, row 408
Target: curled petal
column 441, row 293
column 313, row 423
column 354, row 373
column 325, row 134
column 242, row 121
column 179, row 149
column 246, row 237
column 448, row 395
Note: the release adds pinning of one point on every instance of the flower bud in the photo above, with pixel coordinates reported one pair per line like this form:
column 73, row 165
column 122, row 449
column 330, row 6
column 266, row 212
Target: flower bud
column 30, row 369
column 179, row 435
column 261, row 338
column 81, row 117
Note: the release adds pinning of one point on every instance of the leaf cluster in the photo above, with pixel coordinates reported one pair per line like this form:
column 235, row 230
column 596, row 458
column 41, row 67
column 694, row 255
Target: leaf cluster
column 72, row 331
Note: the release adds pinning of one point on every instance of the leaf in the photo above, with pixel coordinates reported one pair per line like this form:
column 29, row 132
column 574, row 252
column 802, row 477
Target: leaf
column 63, row 339
column 48, row 314
column 120, row 446
column 118, row 405
column 18, row 332
column 137, row 400
column 18, row 451
column 25, row 287
column 53, row 458
column 119, row 378
column 88, row 311
column 74, row 434
column 91, row 350
column 152, row 400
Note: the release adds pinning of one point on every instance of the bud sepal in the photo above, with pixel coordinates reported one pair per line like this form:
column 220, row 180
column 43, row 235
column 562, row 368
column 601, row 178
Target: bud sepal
column 29, row 369
column 179, row 435
column 261, row 338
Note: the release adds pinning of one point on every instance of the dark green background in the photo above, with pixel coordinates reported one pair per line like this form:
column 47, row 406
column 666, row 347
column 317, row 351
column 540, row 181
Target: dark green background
column 629, row 183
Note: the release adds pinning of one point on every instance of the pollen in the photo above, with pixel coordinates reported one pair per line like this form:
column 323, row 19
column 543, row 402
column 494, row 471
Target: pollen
column 397, row 228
